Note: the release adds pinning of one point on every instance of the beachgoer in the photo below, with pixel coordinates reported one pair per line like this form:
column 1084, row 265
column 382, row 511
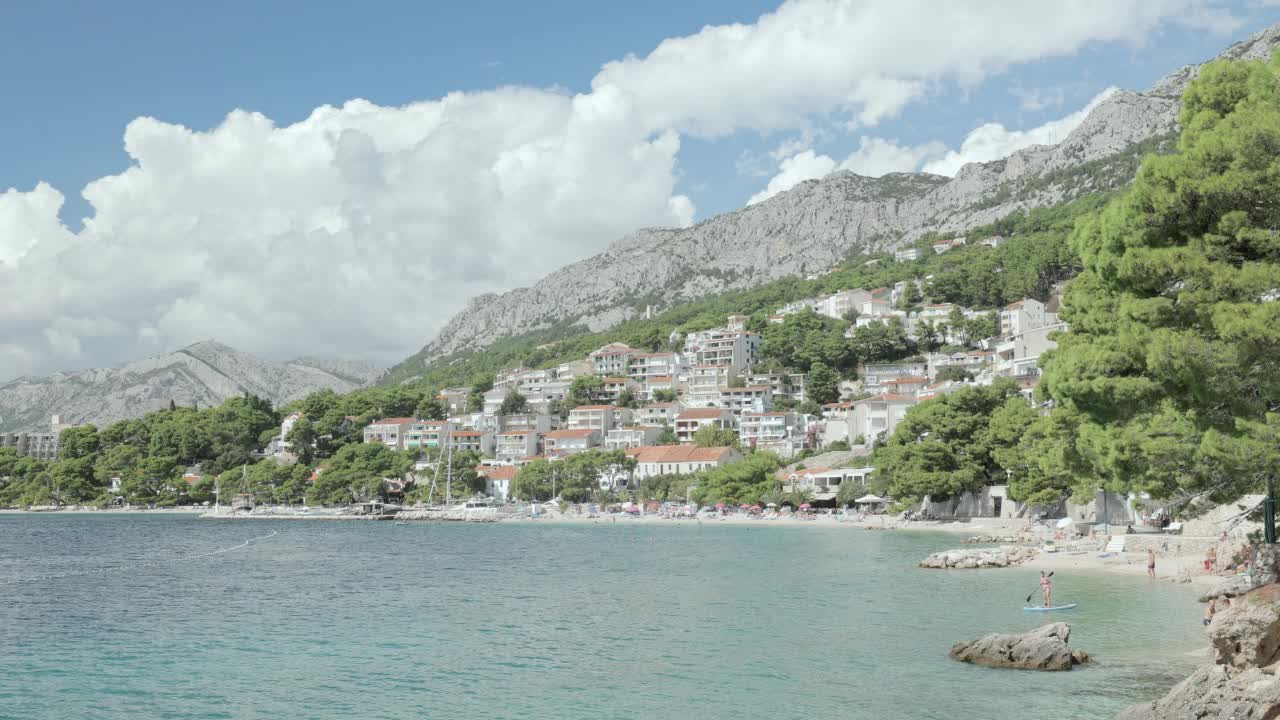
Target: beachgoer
column 1151, row 562
column 1045, row 588
column 1211, row 559
column 1208, row 613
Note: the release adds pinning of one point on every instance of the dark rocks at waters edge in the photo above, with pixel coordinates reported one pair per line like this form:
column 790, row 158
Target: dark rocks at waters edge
column 1243, row 683
column 1044, row 648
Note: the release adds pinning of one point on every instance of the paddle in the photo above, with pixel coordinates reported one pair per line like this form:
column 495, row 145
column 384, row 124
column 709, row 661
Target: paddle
column 1033, row 592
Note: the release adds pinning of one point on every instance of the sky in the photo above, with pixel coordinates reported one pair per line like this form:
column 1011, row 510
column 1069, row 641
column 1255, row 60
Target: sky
column 319, row 179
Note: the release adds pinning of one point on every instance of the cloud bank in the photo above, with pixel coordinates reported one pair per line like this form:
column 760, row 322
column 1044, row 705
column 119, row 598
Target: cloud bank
column 360, row 230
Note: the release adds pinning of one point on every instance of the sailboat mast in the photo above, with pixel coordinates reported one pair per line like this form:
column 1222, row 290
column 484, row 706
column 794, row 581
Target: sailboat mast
column 448, row 476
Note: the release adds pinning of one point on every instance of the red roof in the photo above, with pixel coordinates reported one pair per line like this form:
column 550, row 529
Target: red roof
column 752, row 388
column 394, row 421
column 679, row 453
column 764, row 414
column 467, row 433
column 885, row 397
column 1012, row 305
column 660, row 378
column 615, row 381
column 904, row 381
column 501, row 472
column 700, row 414
column 563, row 434
column 591, row 407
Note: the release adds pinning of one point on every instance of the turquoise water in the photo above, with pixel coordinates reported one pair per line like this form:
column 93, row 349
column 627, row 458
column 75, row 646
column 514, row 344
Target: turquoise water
column 377, row 620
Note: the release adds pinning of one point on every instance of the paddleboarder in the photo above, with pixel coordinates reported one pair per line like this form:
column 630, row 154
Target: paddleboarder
column 1045, row 587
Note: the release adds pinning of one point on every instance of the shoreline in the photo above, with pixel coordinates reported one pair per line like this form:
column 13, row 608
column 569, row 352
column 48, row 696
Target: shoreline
column 1178, row 567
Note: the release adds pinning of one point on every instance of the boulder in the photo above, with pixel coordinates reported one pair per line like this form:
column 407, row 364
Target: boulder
column 1044, row 648
column 1234, row 586
column 1215, row 691
column 1246, row 636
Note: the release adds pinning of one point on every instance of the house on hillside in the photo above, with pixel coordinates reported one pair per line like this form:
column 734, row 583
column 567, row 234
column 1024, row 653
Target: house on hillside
column 694, row 419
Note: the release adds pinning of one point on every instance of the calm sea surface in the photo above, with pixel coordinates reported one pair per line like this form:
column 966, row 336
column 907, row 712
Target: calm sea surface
column 377, row 620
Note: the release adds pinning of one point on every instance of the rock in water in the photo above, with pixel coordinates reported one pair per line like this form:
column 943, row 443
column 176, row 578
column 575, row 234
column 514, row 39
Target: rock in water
column 1044, row 648
column 1215, row 691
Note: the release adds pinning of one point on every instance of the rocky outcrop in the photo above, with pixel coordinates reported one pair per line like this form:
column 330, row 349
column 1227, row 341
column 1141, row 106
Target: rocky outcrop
column 1242, row 683
column 1215, row 691
column 1246, row 637
column 993, row 540
column 974, row 558
column 819, row 223
column 203, row 374
column 1044, row 648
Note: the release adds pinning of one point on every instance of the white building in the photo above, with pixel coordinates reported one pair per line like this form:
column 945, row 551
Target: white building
column 872, row 375
column 705, row 382
column 516, row 444
column 612, row 360
column 734, row 349
column 785, row 433
column 388, row 431
column 1026, row 314
column 632, row 436
column 598, row 417
column 753, row 398
column 692, row 420
column 877, row 416
column 659, row 414
column 559, row 443
column 1019, row 354
column 907, row 254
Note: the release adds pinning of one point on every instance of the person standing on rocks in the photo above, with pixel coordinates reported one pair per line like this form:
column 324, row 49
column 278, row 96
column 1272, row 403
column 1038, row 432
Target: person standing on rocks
column 1151, row 563
column 1209, row 612
column 1046, row 588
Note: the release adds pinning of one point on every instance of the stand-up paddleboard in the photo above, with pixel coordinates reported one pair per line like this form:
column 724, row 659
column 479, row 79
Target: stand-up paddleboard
column 1035, row 608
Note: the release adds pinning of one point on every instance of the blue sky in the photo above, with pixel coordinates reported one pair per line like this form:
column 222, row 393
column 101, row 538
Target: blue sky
column 235, row 188
column 90, row 68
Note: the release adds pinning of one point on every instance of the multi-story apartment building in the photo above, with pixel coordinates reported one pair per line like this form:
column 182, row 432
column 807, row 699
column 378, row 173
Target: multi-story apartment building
column 840, row 304
column 454, row 399
column 474, row 441
column 644, row 366
column 877, row 416
column 559, row 443
column 659, row 414
column 536, row 422
column 789, row 385
column 737, row 323
column 1019, row 354
column 692, row 420
column 612, row 360
column 782, row 432
column 426, row 434
column 705, row 382
column 872, row 375
column 907, row 254
column 611, row 389
column 734, row 349
column 1026, row 314
column 631, row 436
column 388, row 431
column 598, row 417
column 516, row 444
column 753, row 398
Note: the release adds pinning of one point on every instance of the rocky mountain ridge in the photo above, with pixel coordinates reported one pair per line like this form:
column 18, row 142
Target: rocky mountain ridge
column 820, row 222
column 203, row 374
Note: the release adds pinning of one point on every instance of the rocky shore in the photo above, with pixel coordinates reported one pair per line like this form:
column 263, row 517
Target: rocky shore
column 1243, row 682
column 974, row 558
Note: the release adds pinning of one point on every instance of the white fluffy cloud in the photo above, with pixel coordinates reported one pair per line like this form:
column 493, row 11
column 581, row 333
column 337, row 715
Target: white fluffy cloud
column 359, row 230
column 993, row 141
column 877, row 156
column 793, row 171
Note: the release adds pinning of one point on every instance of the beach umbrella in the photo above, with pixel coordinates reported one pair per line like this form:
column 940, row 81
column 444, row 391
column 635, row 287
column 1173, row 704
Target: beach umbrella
column 719, row 506
column 1065, row 522
column 771, row 505
column 805, row 506
column 869, row 499
column 755, row 507
column 743, row 506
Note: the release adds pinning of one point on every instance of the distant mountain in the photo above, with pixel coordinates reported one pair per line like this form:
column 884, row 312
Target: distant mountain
column 820, row 222
column 205, row 373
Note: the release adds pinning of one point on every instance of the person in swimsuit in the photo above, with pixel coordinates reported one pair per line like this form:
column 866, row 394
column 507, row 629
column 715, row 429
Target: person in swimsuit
column 1208, row 612
column 1151, row 562
column 1045, row 587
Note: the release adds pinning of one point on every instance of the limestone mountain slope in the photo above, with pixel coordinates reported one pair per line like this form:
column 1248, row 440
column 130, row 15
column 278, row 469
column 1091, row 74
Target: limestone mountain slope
column 205, row 373
column 820, row 222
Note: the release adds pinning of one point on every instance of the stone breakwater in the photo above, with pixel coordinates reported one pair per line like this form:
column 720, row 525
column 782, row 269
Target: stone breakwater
column 974, row 558
column 1044, row 648
column 997, row 540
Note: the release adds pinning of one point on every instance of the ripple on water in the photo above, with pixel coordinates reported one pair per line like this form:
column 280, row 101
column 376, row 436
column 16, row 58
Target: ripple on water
column 332, row 620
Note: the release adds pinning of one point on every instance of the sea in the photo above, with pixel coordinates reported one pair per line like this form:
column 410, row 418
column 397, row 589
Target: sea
column 111, row 617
